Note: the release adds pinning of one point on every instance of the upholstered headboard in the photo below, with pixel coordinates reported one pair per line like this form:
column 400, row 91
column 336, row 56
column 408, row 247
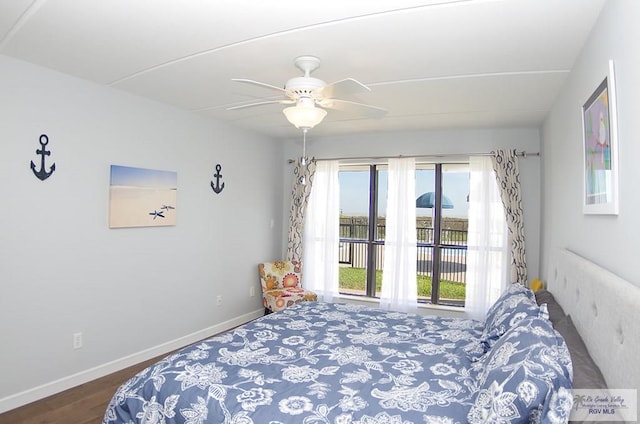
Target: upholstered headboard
column 606, row 311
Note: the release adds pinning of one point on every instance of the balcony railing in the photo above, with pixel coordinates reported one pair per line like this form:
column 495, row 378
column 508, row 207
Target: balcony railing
column 453, row 250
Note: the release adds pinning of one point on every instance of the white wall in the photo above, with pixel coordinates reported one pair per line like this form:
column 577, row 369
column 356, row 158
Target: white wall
column 446, row 142
column 609, row 241
column 134, row 292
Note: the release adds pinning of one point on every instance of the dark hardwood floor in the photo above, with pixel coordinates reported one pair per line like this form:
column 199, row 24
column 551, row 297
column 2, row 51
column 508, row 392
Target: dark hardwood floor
column 84, row 404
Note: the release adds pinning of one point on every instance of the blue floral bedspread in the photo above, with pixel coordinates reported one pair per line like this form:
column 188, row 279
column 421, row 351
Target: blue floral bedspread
column 314, row 363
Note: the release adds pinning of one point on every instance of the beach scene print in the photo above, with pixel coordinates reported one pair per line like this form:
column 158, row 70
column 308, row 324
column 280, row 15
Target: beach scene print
column 141, row 197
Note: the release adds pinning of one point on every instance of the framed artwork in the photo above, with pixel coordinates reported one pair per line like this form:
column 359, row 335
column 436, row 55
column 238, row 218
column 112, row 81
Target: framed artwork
column 141, row 197
column 600, row 149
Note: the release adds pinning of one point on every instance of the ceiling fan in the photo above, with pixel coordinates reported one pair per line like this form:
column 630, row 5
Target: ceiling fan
column 312, row 95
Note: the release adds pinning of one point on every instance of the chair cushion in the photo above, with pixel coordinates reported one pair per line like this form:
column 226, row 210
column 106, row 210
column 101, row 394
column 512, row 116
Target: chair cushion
column 278, row 299
column 279, row 275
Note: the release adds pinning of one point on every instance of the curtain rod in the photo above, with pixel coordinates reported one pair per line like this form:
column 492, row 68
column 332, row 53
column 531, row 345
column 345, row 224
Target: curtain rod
column 521, row 153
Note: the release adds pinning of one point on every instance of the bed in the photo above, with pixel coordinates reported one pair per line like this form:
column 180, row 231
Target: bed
column 343, row 363
column 601, row 313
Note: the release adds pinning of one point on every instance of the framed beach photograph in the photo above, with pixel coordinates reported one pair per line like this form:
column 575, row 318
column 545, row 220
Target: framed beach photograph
column 600, row 149
column 140, row 197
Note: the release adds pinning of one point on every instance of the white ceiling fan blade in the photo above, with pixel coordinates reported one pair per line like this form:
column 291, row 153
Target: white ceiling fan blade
column 343, row 88
column 266, row 102
column 261, row 84
column 354, row 107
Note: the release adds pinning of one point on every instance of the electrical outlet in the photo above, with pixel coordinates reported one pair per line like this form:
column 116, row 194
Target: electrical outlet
column 77, row 340
column 219, row 300
column 252, row 291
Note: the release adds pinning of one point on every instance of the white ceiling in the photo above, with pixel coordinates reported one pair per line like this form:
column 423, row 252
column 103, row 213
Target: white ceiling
column 433, row 64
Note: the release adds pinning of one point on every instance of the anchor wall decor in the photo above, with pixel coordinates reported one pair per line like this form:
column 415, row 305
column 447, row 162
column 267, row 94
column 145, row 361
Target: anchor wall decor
column 42, row 174
column 217, row 187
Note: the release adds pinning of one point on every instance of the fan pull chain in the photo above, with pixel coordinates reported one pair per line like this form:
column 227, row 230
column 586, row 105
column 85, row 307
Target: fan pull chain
column 303, row 159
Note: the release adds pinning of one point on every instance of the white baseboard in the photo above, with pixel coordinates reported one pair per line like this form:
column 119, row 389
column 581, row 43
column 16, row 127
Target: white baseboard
column 57, row 386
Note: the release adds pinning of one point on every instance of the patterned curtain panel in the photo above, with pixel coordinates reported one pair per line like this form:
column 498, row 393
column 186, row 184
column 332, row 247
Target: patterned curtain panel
column 302, row 180
column 505, row 165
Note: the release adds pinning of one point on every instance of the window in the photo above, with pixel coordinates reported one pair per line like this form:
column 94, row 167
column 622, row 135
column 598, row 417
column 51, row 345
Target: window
column 362, row 208
column 441, row 261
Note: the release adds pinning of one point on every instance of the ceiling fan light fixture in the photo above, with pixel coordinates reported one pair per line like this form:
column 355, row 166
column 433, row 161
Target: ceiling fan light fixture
column 302, row 116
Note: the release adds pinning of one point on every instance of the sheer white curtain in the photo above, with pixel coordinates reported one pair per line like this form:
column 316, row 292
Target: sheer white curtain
column 321, row 233
column 488, row 250
column 399, row 286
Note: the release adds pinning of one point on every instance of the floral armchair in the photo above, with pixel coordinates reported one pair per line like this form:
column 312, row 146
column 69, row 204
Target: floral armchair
column 281, row 286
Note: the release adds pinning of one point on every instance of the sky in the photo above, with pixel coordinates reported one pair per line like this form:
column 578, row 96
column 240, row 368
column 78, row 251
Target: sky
column 354, row 191
column 141, row 177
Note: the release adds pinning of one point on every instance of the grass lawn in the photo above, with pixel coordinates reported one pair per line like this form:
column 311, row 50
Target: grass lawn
column 355, row 278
